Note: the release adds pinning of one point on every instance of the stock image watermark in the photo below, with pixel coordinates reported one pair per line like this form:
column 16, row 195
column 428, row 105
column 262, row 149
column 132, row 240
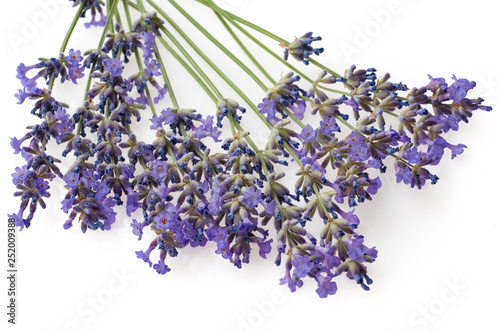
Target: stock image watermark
column 90, row 308
column 486, row 86
column 428, row 313
column 263, row 310
column 11, row 272
column 29, row 26
column 364, row 34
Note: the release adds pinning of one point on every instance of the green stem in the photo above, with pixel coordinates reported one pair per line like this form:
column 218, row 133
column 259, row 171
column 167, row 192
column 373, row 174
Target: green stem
column 245, row 50
column 140, row 4
column 67, row 36
column 265, row 32
column 183, row 51
column 270, row 52
column 171, row 153
column 189, row 69
column 138, row 58
column 107, row 27
column 232, row 124
column 192, row 62
column 291, row 115
column 215, row 41
column 109, row 16
column 215, row 68
column 71, row 28
column 318, row 195
column 165, row 78
column 328, row 70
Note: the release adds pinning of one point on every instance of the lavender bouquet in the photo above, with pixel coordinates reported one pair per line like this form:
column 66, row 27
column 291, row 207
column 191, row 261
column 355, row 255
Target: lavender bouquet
column 203, row 177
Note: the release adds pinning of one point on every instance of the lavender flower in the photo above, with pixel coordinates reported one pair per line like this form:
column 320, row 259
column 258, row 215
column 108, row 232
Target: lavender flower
column 180, row 189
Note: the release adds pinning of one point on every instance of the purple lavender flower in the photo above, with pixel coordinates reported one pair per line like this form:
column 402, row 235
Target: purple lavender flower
column 326, row 288
column 308, row 134
column 298, row 109
column 359, row 148
column 207, row 129
column 162, row 91
column 328, row 125
column 157, row 121
column 161, row 267
column 152, row 68
column 94, row 7
column 403, row 174
column 74, row 57
column 148, row 48
column 436, row 83
column 144, row 256
column 75, row 72
column 251, row 197
column 302, row 265
column 21, row 95
column 113, row 66
column 96, row 23
column 264, row 248
column 356, row 249
column 292, row 282
column 301, row 48
column 458, row 90
column 132, row 203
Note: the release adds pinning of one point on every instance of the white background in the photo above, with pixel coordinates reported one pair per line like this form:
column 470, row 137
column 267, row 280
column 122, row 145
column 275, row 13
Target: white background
column 438, row 247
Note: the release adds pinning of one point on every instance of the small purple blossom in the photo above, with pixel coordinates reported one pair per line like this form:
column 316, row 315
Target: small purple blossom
column 356, row 249
column 328, row 125
column 144, row 256
column 161, row 267
column 113, row 66
column 298, row 109
column 302, row 265
column 152, row 68
column 74, row 57
column 264, row 248
column 268, row 107
column 326, row 288
column 458, row 90
column 308, row 134
column 251, row 197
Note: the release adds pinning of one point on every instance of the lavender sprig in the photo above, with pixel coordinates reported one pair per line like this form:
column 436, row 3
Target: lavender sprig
column 190, row 184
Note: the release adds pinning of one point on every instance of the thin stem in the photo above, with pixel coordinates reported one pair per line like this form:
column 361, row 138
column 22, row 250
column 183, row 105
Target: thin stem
column 192, row 62
column 107, row 27
column 216, row 42
column 291, row 115
column 265, row 32
column 164, row 74
column 67, row 36
column 292, row 153
column 215, row 68
column 109, row 16
column 277, row 57
column 318, row 195
column 138, row 58
column 140, row 4
column 245, row 50
column 232, row 124
column 71, row 28
column 261, row 30
column 189, row 69
column 328, row 70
